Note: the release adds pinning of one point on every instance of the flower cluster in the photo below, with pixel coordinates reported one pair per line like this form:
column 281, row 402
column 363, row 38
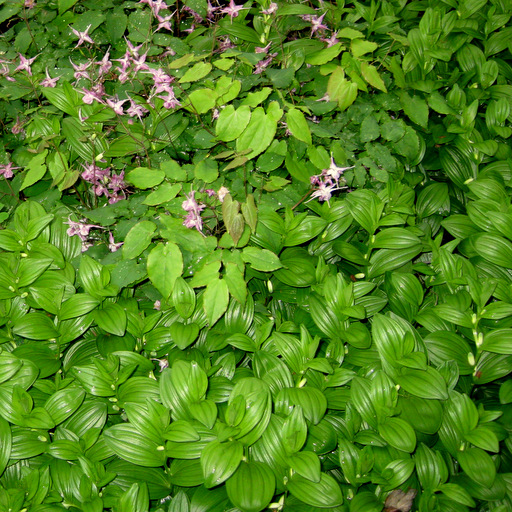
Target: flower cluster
column 328, row 181
column 194, row 209
column 82, row 230
column 105, row 182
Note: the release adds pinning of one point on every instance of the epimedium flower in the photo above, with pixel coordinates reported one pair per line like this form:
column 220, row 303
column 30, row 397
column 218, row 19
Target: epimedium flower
column 80, row 229
column 116, row 105
column 104, row 65
column 190, row 205
column 112, row 245
column 6, row 170
column 49, row 81
column 271, row 9
column 334, row 172
column 81, row 69
column 25, row 64
column 232, row 9
column 83, row 37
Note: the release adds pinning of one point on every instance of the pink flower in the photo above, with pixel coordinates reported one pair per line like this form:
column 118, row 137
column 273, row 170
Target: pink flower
column 49, row 81
column 25, row 64
column 139, row 63
column 81, row 69
column 170, row 100
column 116, row 105
column 232, row 9
column 83, row 37
column 17, row 127
column 193, row 220
column 190, row 204
column 323, row 192
column 334, row 172
column 117, row 182
column 6, row 170
column 112, row 245
column 134, row 50
column 272, row 8
column 331, row 41
column 79, row 228
column 90, row 96
column 93, row 173
column 222, row 193
column 164, row 22
column 135, row 110
column 125, row 62
column 157, row 5
column 104, row 64
column 316, row 22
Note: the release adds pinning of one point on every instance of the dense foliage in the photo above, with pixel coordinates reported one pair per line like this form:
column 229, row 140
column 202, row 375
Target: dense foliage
column 255, row 256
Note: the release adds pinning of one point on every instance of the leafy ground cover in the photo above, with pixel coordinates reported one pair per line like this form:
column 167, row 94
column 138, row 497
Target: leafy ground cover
column 255, row 256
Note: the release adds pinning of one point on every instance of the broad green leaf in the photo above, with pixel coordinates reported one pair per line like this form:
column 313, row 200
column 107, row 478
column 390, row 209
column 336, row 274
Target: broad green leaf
column 251, row 487
column 415, row 108
column 111, row 318
column 371, row 75
column 423, row 383
column 144, row 177
column 298, row 125
column 196, row 72
column 200, row 101
column 220, row 460
column 35, row 326
column 258, row 134
column 215, row 300
column 323, row 494
column 478, row 465
column 399, row 434
column 129, row 444
column 36, row 169
column 5, row 443
column 64, row 403
column 306, row 464
column 261, row 259
column 231, row 123
column 138, row 239
column 165, row 265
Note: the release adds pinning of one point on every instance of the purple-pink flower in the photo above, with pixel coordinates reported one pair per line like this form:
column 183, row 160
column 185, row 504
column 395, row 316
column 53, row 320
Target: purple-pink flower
column 25, row 64
column 232, row 9
column 6, row 170
column 49, row 81
column 83, row 37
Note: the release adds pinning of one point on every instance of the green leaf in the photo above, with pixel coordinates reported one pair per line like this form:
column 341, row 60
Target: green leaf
column 360, row 47
column 5, row 444
column 164, row 193
column 138, row 239
column 258, row 134
column 478, row 465
column 306, row 464
column 196, row 72
column 323, row 494
column 494, row 248
column 220, row 460
column 251, row 487
column 35, row 326
column 371, row 75
column 144, row 177
column 415, row 108
column 129, row 444
column 423, row 383
column 231, row 123
column 111, row 318
column 298, row 125
column 215, row 300
column 165, row 265
column 36, row 170
column 399, row 434
column 64, row 403
column 200, row 101
column 261, row 259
